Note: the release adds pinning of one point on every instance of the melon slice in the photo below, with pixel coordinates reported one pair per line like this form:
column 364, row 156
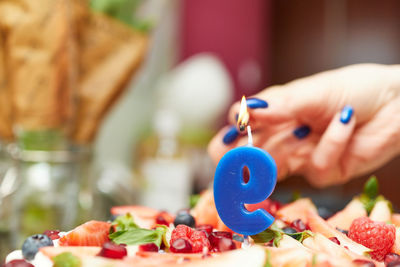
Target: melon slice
column 396, row 219
column 296, row 210
column 79, row 251
column 396, row 245
column 144, row 217
column 343, row 219
column 319, row 225
column 381, row 212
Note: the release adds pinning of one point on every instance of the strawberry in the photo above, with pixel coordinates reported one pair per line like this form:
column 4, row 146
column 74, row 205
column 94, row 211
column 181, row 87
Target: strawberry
column 92, row 233
column 377, row 236
column 196, row 238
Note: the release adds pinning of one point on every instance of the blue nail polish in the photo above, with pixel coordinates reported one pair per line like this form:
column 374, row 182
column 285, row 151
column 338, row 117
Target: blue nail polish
column 256, row 103
column 236, row 116
column 230, row 135
column 346, row 114
column 302, row 131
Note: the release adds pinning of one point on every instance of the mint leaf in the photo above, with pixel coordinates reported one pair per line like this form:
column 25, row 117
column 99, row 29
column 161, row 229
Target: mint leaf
column 124, row 223
column 371, row 187
column 300, row 236
column 66, row 259
column 139, row 236
column 271, row 233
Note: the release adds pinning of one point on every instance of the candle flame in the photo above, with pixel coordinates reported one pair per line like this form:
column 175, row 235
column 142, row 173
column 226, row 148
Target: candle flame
column 244, row 116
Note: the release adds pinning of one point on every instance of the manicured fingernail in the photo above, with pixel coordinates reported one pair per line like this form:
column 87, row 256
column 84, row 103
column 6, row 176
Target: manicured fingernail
column 256, row 103
column 302, row 131
column 346, row 114
column 230, row 135
column 236, row 116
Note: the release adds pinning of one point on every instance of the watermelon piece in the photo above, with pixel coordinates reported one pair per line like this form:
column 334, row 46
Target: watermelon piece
column 396, row 245
column 381, row 212
column 144, row 217
column 319, row 225
column 78, row 251
column 296, row 210
column 396, row 219
column 343, row 219
column 91, row 233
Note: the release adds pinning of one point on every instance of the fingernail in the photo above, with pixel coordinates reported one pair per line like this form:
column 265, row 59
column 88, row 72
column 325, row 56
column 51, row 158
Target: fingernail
column 236, row 116
column 346, row 114
column 302, row 131
column 256, row 103
column 230, row 135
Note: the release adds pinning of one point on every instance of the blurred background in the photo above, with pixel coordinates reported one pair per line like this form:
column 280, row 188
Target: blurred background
column 113, row 102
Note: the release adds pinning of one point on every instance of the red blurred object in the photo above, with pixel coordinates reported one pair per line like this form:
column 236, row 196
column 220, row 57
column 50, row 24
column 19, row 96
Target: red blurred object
column 269, row 205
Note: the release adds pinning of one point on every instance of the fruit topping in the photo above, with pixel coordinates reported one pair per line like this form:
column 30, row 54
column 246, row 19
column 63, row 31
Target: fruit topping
column 91, row 233
column 289, row 230
column 335, row 240
column 160, row 219
column 342, row 231
column 324, row 212
column 18, row 263
column 223, row 234
column 184, row 218
column 150, row 247
column 238, row 238
column 205, row 228
column 392, row 257
column 66, row 259
column 33, row 243
column 180, row 245
column 197, row 239
column 221, row 242
column 364, row 263
column 53, row 234
column 377, row 236
column 113, row 251
column 299, row 226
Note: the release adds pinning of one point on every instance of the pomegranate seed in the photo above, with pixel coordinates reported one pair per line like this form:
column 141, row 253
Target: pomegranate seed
column 299, row 225
column 223, row 234
column 181, row 245
column 221, row 244
column 18, row 263
column 148, row 247
column 161, row 220
column 391, row 257
column 53, row 234
column 113, row 251
column 206, row 228
column 365, row 263
column 334, row 240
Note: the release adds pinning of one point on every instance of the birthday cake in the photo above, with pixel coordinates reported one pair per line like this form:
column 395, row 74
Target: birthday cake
column 365, row 233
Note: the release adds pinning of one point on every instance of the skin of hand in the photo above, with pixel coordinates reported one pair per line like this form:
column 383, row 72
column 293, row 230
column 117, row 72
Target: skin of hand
column 333, row 152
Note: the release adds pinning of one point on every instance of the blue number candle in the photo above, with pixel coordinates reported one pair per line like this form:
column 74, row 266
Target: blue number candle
column 231, row 191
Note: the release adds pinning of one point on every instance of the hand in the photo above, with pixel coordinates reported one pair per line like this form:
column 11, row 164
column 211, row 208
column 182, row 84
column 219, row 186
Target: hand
column 329, row 127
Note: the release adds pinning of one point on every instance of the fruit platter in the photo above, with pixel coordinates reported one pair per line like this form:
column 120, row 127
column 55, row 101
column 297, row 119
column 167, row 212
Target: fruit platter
column 366, row 232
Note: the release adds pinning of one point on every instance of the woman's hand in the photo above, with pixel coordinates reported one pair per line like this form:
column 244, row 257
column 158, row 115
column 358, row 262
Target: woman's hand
column 329, row 127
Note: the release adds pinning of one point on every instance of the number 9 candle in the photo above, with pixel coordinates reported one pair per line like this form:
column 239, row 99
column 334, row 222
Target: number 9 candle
column 232, row 192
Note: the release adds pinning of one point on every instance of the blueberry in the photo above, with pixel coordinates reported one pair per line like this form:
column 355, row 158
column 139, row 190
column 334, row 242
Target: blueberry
column 33, row 243
column 289, row 230
column 238, row 238
column 325, row 213
column 184, row 218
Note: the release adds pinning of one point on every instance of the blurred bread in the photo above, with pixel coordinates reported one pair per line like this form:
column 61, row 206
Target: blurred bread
column 110, row 52
column 39, row 60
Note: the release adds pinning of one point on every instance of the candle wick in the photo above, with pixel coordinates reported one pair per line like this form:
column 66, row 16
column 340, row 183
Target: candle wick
column 250, row 136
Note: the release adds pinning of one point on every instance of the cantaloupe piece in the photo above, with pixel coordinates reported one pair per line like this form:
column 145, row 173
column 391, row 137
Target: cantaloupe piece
column 343, row 219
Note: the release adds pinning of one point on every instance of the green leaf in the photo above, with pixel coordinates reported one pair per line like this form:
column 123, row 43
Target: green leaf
column 124, row 223
column 300, row 236
column 266, row 236
column 194, row 199
column 138, row 236
column 371, row 187
column 66, row 259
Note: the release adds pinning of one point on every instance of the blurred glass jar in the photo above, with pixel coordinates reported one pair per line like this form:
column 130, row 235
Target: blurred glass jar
column 53, row 190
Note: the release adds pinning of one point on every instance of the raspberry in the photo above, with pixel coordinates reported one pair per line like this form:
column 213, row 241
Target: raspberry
column 378, row 236
column 197, row 239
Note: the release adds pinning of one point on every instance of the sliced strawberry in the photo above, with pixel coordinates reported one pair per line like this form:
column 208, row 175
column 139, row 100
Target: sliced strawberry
column 92, row 233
